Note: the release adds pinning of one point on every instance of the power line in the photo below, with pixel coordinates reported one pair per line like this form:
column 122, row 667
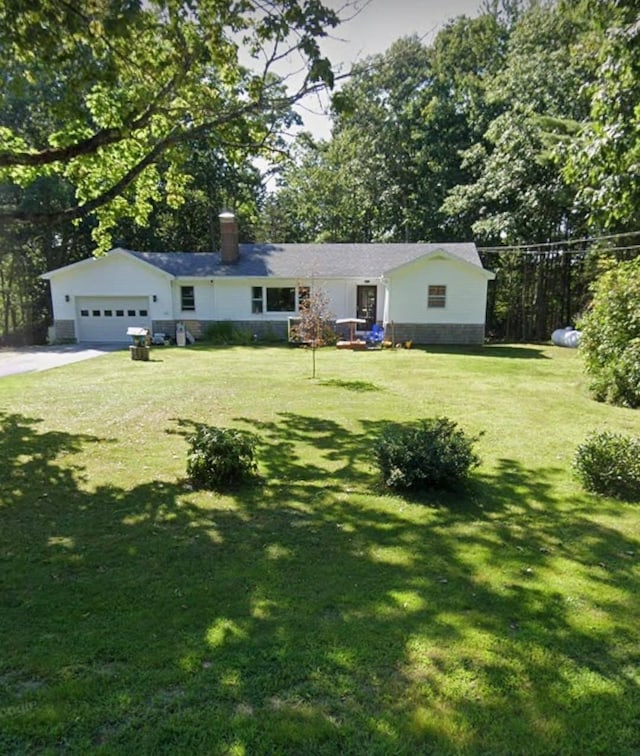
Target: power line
column 533, row 247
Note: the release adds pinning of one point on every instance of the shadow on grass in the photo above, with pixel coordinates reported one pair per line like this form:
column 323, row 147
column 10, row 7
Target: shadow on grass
column 506, row 351
column 305, row 615
column 358, row 386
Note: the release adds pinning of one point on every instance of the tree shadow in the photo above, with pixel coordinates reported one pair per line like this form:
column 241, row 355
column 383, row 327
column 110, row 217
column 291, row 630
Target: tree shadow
column 305, row 615
column 357, row 386
column 507, row 351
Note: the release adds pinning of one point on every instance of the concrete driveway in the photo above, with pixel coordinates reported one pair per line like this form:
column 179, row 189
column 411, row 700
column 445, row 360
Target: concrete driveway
column 32, row 359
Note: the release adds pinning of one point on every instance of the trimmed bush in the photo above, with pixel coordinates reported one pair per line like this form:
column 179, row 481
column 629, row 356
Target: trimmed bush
column 429, row 453
column 609, row 463
column 219, row 458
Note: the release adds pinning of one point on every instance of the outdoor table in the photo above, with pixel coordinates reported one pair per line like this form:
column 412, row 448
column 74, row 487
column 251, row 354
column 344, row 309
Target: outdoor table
column 352, row 322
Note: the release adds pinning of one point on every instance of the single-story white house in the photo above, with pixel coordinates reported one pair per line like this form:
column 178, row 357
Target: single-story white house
column 428, row 293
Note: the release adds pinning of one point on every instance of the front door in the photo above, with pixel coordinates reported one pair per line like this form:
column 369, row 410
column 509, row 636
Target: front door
column 367, row 305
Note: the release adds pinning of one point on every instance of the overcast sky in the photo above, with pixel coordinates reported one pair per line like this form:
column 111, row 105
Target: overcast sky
column 374, row 29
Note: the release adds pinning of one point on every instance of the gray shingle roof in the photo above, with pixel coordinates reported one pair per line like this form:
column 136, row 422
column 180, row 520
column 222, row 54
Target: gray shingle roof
column 303, row 260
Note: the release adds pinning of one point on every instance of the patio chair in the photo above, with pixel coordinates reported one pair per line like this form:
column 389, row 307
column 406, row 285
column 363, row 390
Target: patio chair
column 375, row 335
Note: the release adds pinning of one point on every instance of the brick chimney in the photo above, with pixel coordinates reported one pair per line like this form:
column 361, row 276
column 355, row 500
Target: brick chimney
column 229, row 249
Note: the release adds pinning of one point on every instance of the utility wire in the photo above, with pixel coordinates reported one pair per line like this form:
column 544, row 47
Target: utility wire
column 533, row 247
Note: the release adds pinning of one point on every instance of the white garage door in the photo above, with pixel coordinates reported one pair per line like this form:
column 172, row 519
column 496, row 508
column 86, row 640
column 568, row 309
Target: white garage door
column 107, row 318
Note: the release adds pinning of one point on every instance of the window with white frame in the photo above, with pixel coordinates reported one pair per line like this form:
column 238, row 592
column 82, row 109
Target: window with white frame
column 187, row 298
column 281, row 298
column 257, row 300
column 437, row 296
column 277, row 298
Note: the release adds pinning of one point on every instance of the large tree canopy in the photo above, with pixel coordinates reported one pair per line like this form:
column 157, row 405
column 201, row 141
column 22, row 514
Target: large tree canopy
column 95, row 92
column 605, row 160
column 400, row 125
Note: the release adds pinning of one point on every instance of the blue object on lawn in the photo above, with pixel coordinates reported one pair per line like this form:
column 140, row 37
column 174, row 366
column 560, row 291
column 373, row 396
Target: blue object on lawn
column 376, row 334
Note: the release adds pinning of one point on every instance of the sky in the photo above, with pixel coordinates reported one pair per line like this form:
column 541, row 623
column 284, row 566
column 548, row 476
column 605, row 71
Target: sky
column 378, row 24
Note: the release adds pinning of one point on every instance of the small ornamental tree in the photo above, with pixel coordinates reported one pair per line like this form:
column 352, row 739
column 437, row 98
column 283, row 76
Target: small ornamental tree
column 610, row 342
column 315, row 323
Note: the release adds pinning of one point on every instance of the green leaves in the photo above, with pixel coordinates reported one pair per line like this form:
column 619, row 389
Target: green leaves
column 219, row 458
column 609, row 464
column 610, row 341
column 126, row 82
column 431, row 453
column 605, row 160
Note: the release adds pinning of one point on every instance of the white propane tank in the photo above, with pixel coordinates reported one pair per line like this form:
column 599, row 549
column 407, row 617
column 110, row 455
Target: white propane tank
column 566, row 337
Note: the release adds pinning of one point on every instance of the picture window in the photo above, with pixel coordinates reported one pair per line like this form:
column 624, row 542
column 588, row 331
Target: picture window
column 281, row 299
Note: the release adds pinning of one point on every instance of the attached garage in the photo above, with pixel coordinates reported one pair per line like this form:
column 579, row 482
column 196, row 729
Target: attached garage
column 102, row 319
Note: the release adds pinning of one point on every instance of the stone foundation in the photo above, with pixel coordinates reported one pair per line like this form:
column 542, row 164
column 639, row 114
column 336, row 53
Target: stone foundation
column 265, row 330
column 276, row 330
column 432, row 333
column 65, row 331
column 164, row 326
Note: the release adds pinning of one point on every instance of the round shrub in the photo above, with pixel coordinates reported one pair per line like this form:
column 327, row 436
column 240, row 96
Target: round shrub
column 220, row 457
column 609, row 463
column 429, row 453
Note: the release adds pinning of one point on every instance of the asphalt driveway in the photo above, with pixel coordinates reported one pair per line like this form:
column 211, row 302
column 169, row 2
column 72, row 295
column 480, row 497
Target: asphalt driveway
column 32, row 359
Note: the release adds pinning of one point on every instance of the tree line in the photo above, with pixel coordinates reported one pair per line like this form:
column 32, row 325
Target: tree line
column 516, row 129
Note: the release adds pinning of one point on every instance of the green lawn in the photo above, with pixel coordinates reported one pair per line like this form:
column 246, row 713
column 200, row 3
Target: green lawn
column 312, row 612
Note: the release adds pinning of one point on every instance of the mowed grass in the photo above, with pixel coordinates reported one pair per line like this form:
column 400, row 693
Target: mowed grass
column 312, row 612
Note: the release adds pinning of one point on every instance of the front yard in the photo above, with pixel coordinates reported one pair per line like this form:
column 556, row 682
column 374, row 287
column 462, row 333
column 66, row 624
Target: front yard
column 312, row 612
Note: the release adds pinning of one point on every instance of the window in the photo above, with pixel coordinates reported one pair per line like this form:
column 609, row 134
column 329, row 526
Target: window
column 108, row 313
column 277, row 298
column 143, row 313
column 281, row 299
column 119, row 313
column 84, row 313
column 437, row 296
column 256, row 300
column 304, row 293
column 187, row 298
column 95, row 313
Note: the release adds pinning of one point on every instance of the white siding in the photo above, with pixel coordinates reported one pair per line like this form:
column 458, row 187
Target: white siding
column 466, row 292
column 230, row 299
column 401, row 298
column 114, row 275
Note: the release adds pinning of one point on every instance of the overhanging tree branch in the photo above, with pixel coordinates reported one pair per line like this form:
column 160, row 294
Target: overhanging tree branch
column 88, row 146
column 175, row 137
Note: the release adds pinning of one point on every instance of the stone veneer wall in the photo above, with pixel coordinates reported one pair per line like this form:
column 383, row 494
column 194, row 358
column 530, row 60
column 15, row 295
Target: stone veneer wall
column 419, row 333
column 65, row 330
column 264, row 329
column 431, row 333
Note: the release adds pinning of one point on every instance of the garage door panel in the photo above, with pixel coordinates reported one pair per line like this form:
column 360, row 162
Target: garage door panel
column 103, row 319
